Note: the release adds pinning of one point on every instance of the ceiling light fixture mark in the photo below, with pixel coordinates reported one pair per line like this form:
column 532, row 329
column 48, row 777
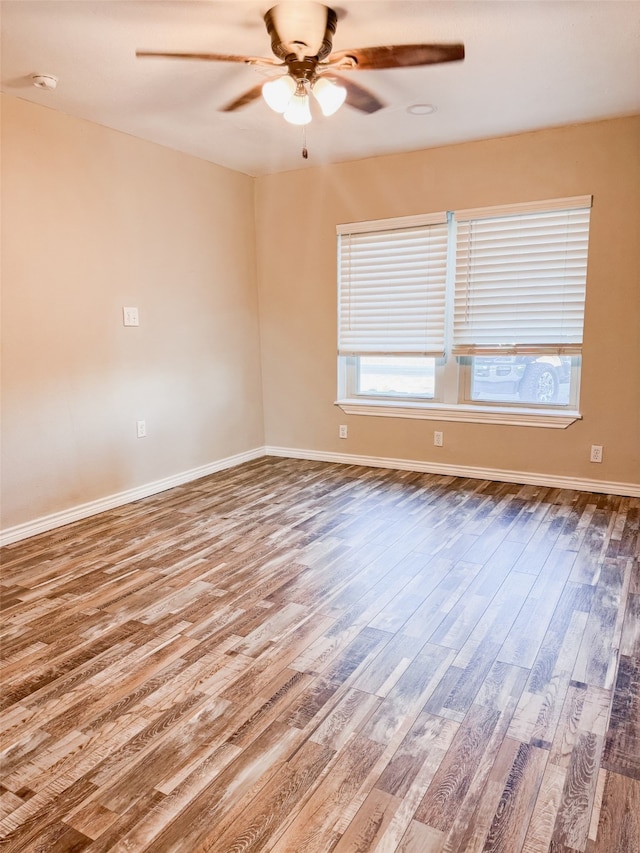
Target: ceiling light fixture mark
column 421, row 109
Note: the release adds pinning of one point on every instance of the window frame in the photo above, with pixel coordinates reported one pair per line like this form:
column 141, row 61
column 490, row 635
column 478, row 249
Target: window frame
column 452, row 391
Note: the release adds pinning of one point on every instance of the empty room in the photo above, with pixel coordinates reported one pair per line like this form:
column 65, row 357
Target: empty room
column 320, row 451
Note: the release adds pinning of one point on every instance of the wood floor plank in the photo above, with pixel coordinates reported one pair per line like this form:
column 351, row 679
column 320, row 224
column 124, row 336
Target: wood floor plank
column 345, row 719
column 619, row 825
column 598, row 651
column 572, row 821
column 545, row 810
column 303, row 657
column 529, row 628
column 427, row 735
column 513, row 812
column 431, row 613
column 369, row 824
column 313, row 827
column 255, row 824
column 410, row 694
column 234, row 787
column 388, row 666
column 463, row 617
column 537, row 716
column 630, row 640
column 475, row 811
column 415, row 780
column 419, row 839
column 622, row 745
column 454, row 776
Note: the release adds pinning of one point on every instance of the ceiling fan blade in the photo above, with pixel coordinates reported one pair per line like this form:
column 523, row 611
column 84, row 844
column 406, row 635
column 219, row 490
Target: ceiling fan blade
column 397, row 56
column 359, row 98
column 210, row 57
column 244, row 99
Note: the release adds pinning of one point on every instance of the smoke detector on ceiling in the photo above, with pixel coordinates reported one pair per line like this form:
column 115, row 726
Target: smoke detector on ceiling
column 44, row 81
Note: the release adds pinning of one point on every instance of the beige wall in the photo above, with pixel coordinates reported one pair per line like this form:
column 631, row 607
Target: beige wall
column 296, row 215
column 93, row 220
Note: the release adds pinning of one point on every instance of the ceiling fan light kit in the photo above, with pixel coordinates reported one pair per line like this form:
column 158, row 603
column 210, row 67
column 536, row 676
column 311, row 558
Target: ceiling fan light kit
column 330, row 96
column 302, row 43
column 290, row 97
column 298, row 111
column 277, row 93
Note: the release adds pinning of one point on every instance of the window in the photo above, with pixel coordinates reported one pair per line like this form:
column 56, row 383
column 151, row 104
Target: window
column 465, row 312
column 397, row 376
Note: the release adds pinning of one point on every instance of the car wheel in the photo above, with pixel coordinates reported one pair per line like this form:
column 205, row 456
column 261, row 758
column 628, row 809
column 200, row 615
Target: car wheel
column 539, row 384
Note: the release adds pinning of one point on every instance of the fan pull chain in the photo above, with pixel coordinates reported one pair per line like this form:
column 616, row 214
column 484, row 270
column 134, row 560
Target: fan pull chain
column 305, row 153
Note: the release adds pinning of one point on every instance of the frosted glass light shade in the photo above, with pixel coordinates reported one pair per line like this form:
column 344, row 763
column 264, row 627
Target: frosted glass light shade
column 328, row 95
column 277, row 93
column 298, row 111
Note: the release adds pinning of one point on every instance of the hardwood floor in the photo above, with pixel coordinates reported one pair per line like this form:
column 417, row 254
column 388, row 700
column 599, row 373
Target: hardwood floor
column 304, row 657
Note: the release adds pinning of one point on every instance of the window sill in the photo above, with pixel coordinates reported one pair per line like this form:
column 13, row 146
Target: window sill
column 550, row 418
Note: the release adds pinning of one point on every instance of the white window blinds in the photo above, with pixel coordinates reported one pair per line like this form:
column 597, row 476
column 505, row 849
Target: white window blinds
column 391, row 283
column 520, row 278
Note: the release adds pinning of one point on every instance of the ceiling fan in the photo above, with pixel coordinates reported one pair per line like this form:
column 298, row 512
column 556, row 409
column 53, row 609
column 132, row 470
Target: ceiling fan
column 302, row 42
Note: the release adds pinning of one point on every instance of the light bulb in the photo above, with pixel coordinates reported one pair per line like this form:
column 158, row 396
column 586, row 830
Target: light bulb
column 328, row 95
column 277, row 93
column 298, row 111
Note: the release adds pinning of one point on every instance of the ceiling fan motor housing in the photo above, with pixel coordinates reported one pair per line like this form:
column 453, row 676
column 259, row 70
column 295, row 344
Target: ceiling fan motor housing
column 287, row 41
column 301, row 69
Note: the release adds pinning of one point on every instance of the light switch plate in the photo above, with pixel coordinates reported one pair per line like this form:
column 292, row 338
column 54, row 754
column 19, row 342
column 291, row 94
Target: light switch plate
column 130, row 316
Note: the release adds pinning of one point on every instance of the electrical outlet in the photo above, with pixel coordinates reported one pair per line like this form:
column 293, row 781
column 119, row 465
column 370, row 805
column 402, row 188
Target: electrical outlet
column 343, row 431
column 596, row 453
column 438, row 438
column 141, row 429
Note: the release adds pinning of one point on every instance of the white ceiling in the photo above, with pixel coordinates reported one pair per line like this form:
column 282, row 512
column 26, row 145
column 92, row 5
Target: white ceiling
column 528, row 65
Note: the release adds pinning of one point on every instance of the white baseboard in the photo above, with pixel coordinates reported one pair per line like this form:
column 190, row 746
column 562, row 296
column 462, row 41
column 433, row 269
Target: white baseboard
column 498, row 474
column 76, row 513
column 59, row 519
